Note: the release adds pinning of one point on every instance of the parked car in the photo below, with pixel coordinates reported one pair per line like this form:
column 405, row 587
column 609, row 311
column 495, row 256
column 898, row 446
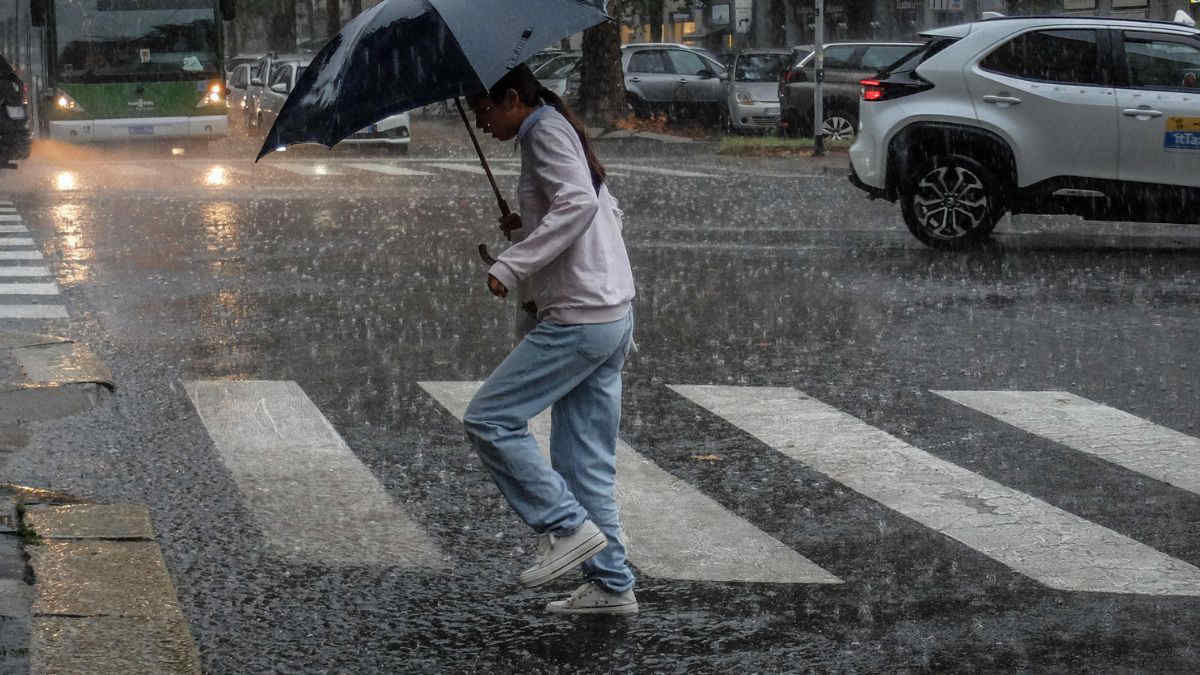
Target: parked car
column 1092, row 116
column 394, row 132
column 534, row 62
column 281, row 79
column 752, row 94
column 237, row 87
column 673, row 78
column 845, row 64
column 234, row 61
column 260, row 73
column 14, row 117
column 561, row 76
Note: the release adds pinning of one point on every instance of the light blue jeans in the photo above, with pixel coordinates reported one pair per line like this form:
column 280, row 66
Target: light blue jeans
column 577, row 370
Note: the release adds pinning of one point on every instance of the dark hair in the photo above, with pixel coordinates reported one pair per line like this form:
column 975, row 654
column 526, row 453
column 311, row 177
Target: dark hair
column 530, row 91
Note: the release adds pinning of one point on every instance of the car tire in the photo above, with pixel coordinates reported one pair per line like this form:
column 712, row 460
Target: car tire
column 641, row 109
column 952, row 202
column 840, row 125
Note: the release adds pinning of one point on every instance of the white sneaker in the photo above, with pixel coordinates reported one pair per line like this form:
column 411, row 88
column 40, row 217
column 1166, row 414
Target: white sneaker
column 591, row 598
column 558, row 555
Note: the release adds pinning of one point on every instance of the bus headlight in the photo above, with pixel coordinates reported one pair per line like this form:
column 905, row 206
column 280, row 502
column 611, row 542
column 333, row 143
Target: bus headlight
column 66, row 102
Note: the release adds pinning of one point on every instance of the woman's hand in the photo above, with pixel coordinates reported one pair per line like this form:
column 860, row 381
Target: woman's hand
column 496, row 287
column 509, row 223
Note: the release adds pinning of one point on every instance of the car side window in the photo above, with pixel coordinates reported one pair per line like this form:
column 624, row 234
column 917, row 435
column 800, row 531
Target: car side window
column 650, row 61
column 280, row 74
column 687, row 63
column 840, row 56
column 881, row 56
column 1161, row 62
column 1070, row 56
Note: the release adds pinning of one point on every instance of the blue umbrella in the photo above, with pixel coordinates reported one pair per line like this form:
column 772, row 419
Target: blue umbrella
column 403, row 54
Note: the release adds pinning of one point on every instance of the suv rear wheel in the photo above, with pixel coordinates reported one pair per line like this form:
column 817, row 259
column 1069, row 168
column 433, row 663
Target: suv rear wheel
column 953, row 202
column 839, row 125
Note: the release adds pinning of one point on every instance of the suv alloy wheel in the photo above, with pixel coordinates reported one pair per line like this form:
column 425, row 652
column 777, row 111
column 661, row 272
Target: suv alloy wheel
column 952, row 202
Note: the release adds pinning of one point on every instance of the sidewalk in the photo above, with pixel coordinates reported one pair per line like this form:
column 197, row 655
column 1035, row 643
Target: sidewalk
column 83, row 587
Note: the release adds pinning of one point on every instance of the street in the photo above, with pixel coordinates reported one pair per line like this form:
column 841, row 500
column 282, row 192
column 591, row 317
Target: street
column 841, row 451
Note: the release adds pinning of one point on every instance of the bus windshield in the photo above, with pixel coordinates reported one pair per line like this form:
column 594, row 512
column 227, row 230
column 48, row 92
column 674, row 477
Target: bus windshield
column 121, row 40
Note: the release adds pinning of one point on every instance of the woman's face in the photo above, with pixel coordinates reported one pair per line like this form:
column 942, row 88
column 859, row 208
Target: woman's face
column 501, row 120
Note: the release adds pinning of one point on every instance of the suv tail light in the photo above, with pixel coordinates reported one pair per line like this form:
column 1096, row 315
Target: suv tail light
column 884, row 90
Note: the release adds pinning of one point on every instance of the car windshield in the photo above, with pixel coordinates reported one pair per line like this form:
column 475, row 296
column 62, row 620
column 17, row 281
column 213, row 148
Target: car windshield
column 558, row 68
column 759, row 67
column 116, row 39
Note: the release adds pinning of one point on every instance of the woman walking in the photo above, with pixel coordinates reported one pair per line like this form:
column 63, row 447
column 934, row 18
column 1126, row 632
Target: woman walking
column 572, row 264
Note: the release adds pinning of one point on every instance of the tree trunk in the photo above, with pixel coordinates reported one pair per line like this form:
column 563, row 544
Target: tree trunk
column 232, row 45
column 654, row 10
column 281, row 27
column 333, row 18
column 602, row 84
column 310, row 7
column 355, row 8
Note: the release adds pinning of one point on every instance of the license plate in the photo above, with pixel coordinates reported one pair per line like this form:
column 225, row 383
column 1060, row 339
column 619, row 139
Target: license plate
column 16, row 112
column 146, row 130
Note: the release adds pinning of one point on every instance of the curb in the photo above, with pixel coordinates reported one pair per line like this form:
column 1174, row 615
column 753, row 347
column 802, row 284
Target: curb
column 46, row 377
column 102, row 600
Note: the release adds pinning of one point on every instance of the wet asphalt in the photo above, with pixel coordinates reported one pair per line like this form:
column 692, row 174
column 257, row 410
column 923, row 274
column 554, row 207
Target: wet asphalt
column 358, row 285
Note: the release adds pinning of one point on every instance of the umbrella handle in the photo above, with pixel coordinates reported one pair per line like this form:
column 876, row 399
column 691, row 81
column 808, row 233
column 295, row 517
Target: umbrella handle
column 504, row 211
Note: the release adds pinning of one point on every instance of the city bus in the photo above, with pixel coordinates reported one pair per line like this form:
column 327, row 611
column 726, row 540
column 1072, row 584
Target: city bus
column 119, row 70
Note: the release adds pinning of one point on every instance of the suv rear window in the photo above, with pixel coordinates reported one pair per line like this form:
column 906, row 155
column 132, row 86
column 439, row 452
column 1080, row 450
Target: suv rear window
column 1070, row 56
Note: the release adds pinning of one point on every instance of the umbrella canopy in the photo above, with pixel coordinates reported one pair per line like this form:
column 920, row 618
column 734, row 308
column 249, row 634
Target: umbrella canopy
column 403, row 54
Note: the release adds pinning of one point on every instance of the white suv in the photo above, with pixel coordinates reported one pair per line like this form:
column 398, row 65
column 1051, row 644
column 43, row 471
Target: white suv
column 1096, row 117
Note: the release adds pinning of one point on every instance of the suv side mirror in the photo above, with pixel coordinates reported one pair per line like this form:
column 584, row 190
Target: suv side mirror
column 256, row 82
column 280, row 88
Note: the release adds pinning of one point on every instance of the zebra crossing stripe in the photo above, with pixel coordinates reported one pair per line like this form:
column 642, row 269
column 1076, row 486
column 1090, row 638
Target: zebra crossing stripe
column 28, row 289
column 672, row 530
column 16, row 241
column 33, row 312
column 18, row 271
column 13, row 229
column 388, row 169
column 20, row 255
column 312, row 498
column 1051, row 546
column 9, row 217
column 471, row 168
column 307, row 169
column 662, row 172
column 1089, row 427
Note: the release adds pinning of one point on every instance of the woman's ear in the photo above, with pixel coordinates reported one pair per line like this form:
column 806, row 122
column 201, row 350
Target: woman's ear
column 511, row 98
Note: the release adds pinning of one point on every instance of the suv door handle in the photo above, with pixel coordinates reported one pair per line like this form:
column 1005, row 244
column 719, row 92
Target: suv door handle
column 1141, row 113
column 635, row 79
column 1001, row 100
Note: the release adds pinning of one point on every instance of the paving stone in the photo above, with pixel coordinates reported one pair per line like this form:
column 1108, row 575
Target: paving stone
column 91, row 521
column 116, row 645
column 12, row 563
column 101, row 578
column 16, row 598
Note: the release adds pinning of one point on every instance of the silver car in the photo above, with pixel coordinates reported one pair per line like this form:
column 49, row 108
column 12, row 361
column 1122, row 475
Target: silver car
column 281, row 79
column 237, row 100
column 671, row 77
column 752, row 89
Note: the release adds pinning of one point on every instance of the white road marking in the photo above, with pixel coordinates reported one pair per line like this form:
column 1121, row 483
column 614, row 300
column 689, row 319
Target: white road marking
column 1110, row 434
column 472, row 168
column 9, row 217
column 33, row 312
column 312, row 498
column 1048, row 544
column 673, row 531
column 388, row 169
column 13, row 229
column 28, row 289
column 662, row 172
column 20, row 255
column 16, row 241
column 18, row 271
column 307, row 169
